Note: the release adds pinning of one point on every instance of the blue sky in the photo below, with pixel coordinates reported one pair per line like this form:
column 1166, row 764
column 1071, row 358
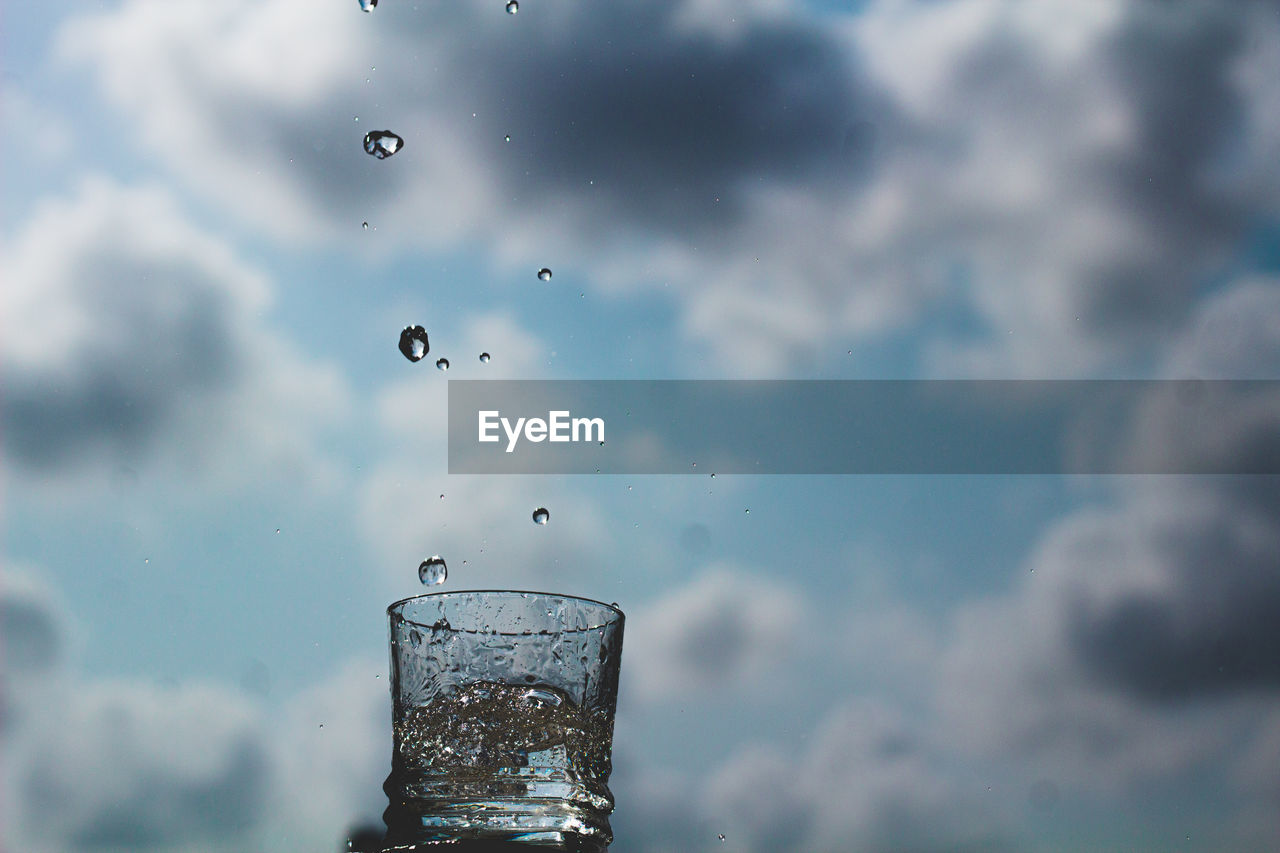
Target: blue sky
column 199, row 350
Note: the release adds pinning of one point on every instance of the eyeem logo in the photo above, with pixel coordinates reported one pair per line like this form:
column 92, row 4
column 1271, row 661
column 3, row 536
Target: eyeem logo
column 558, row 426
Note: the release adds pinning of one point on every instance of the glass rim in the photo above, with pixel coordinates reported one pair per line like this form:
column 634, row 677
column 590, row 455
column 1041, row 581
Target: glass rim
column 395, row 609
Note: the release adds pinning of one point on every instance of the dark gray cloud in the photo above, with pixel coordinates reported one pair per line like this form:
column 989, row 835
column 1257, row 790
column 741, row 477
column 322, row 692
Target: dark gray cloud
column 1085, row 172
column 1140, row 643
column 134, row 337
column 126, row 374
column 1207, row 628
column 29, row 633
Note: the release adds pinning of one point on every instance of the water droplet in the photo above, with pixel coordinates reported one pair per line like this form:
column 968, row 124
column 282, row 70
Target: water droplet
column 720, row 835
column 322, row 725
column 747, row 511
column 277, row 530
column 433, row 571
column 382, row 143
column 364, row 225
column 413, row 343
column 541, row 515
column 484, row 358
column 442, row 364
column 506, row 138
column 614, row 604
column 512, row 7
column 544, row 274
column 368, row 5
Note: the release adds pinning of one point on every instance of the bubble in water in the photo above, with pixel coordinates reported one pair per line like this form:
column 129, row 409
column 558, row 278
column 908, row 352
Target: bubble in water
column 442, row 364
column 382, row 143
column 413, row 343
column 368, row 5
column 484, row 358
column 544, row 274
column 512, row 7
column 541, row 515
column 433, row 571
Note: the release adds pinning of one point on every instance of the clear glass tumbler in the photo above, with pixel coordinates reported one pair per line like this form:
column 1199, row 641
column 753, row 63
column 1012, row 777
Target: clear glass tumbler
column 503, row 705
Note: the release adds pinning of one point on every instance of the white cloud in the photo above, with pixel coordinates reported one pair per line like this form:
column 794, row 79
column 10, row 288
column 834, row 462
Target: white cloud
column 722, row 631
column 1138, row 645
column 124, row 766
column 134, row 339
column 869, row 779
column 1029, row 162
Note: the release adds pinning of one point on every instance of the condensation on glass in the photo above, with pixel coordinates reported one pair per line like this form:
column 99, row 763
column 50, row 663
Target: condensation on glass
column 503, row 707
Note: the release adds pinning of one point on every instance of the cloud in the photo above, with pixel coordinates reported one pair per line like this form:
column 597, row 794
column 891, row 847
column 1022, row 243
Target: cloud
column 1139, row 644
column 868, row 780
column 716, row 633
column 135, row 340
column 331, row 751
column 126, row 767
column 794, row 180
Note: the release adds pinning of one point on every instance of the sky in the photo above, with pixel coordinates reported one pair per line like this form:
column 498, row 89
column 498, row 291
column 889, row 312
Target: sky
column 220, row 470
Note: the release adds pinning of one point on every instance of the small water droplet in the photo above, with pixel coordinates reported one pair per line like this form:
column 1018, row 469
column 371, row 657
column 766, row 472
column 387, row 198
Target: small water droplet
column 613, row 604
column 433, row 571
column 720, row 835
column 322, row 725
column 506, row 138
column 147, row 562
column 484, row 358
column 413, row 343
column 382, row 143
column 541, row 515
column 512, row 7
column 277, row 530
column 713, row 476
column 442, row 364
column 368, row 5
column 544, row 274
column 747, row 511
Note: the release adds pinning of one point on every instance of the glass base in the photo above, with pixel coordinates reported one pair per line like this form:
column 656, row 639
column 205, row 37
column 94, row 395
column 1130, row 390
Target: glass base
column 493, row 824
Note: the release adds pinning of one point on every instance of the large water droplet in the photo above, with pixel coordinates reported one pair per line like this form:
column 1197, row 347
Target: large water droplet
column 541, row 515
column 413, row 343
column 382, row 143
column 433, row 571
column 544, row 274
column 484, row 358
column 512, row 7
column 442, row 364
column 368, row 5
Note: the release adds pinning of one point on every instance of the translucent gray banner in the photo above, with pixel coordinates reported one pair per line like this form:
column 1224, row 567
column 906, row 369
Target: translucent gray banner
column 865, row 427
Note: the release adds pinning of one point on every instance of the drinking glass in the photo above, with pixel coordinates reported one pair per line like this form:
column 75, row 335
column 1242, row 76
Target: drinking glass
column 503, row 706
